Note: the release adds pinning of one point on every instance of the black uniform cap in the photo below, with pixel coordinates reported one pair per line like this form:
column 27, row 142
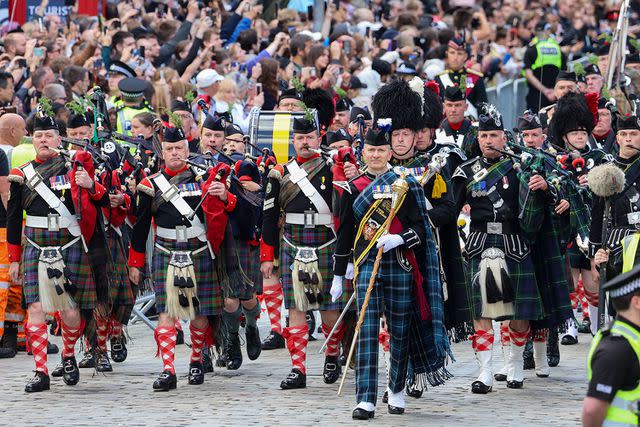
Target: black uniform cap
column 356, row 111
column 303, row 125
column 214, row 123
column 566, row 75
column 178, row 105
column 339, row 135
column 490, row 119
column 343, row 104
column 132, row 87
column 628, row 122
column 454, row 93
column 529, row 121
column 173, row 134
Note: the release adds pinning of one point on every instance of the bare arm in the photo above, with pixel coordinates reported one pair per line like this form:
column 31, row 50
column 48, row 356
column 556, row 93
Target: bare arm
column 593, row 412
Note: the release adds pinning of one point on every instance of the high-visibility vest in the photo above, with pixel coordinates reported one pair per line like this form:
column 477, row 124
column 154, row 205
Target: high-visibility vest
column 124, row 115
column 548, row 53
column 629, row 251
column 22, row 154
column 623, row 410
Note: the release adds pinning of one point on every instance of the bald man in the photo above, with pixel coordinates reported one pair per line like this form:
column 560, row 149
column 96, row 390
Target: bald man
column 12, row 129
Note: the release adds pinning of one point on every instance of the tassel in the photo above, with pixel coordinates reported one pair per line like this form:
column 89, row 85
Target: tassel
column 59, row 290
column 67, row 272
column 319, row 298
column 70, row 287
column 493, row 292
column 310, row 297
column 196, row 302
column 189, row 284
column 184, row 302
column 314, row 279
column 507, row 290
column 439, row 187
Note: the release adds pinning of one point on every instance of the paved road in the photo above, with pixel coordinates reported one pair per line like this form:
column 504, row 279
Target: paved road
column 251, row 396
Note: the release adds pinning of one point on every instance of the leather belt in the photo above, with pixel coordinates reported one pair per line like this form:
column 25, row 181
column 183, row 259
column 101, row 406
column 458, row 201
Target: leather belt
column 180, row 233
column 496, row 227
column 309, row 219
column 51, row 222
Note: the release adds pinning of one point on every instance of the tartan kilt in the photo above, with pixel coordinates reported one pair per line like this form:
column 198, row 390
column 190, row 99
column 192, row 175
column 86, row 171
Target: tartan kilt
column 249, row 257
column 528, row 303
column 207, row 280
column 311, row 237
column 121, row 293
column 75, row 258
column 577, row 259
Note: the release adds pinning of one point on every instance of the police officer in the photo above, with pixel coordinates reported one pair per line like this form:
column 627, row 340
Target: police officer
column 467, row 79
column 130, row 104
column 614, row 359
column 543, row 60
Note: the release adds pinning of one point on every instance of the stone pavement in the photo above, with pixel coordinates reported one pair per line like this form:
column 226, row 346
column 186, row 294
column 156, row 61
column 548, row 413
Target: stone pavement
column 251, row 395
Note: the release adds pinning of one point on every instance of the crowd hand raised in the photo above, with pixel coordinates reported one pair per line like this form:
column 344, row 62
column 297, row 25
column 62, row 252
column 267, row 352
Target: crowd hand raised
column 389, row 241
column 336, row 288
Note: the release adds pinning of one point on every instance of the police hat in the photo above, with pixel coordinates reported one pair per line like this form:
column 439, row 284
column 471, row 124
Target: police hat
column 119, row 67
column 132, row 87
column 624, row 284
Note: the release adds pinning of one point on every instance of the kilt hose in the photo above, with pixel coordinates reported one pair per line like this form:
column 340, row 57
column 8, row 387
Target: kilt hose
column 527, row 304
column 207, row 279
column 75, row 258
column 249, row 257
column 392, row 295
column 121, row 294
column 10, row 293
column 310, row 237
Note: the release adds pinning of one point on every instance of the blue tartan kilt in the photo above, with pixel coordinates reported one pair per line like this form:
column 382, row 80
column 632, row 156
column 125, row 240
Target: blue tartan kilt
column 207, row 281
column 528, row 303
column 249, row 257
column 311, row 237
column 75, row 258
column 121, row 292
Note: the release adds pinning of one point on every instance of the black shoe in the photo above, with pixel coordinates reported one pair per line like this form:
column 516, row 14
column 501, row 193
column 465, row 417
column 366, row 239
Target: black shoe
column 103, row 364
column 223, row 358
column 362, row 414
column 273, row 341
column 385, row 397
column 9, row 342
column 53, row 328
column 118, row 349
column 585, row 326
column 234, row 352
column 332, row 369
column 7, row 353
column 207, row 363
column 569, row 340
column 39, row 382
column 343, row 359
column 311, row 322
column 413, row 390
column 165, row 382
column 58, row 371
column 196, row 373
column 527, row 356
column 479, row 387
column 394, row 410
column 515, row 384
column 553, row 350
column 52, row 348
column 180, row 337
column 254, row 346
column 295, row 379
column 88, row 360
column 500, row 377
column 71, row 373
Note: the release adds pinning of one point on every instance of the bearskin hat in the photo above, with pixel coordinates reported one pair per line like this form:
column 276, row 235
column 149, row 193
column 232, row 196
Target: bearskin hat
column 432, row 108
column 398, row 102
column 571, row 113
column 322, row 101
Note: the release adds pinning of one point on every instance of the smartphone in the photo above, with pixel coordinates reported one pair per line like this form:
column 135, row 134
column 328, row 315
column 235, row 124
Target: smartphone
column 368, row 32
column 247, row 6
column 141, row 51
column 160, row 11
column 60, row 32
column 258, row 88
column 337, row 3
column 392, row 45
column 135, row 52
column 347, row 47
column 291, row 30
column 97, row 63
column 38, row 52
column 312, row 71
column 310, row 13
column 234, row 64
column 22, row 63
column 116, row 24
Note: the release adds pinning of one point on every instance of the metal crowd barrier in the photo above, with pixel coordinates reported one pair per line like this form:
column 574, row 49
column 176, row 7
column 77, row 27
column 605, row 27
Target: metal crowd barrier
column 510, row 99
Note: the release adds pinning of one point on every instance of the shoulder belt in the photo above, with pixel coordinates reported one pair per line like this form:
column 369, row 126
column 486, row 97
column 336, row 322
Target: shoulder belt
column 299, row 177
column 171, row 194
column 34, row 182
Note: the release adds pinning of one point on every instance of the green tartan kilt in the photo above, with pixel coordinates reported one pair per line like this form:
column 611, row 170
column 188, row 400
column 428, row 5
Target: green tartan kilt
column 121, row 292
column 311, row 237
column 75, row 258
column 528, row 303
column 207, row 280
column 249, row 257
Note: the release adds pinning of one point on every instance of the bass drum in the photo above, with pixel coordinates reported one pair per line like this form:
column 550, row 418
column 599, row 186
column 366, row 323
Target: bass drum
column 274, row 130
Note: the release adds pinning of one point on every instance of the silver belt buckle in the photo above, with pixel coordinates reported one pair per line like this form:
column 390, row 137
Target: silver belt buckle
column 633, row 218
column 309, row 219
column 53, row 222
column 181, row 234
column 494, row 228
column 34, row 181
column 170, row 193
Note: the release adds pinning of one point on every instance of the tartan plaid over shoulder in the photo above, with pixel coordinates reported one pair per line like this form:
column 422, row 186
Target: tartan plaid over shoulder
column 429, row 262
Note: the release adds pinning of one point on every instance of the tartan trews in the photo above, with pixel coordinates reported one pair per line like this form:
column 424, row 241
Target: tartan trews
column 391, row 295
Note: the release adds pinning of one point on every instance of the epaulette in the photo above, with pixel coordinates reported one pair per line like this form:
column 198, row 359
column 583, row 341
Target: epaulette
column 472, row 71
column 16, row 174
column 277, row 172
column 146, row 186
column 443, row 72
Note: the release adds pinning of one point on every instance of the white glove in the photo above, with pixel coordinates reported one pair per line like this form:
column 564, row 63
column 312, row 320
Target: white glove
column 389, row 241
column 349, row 274
column 336, row 288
